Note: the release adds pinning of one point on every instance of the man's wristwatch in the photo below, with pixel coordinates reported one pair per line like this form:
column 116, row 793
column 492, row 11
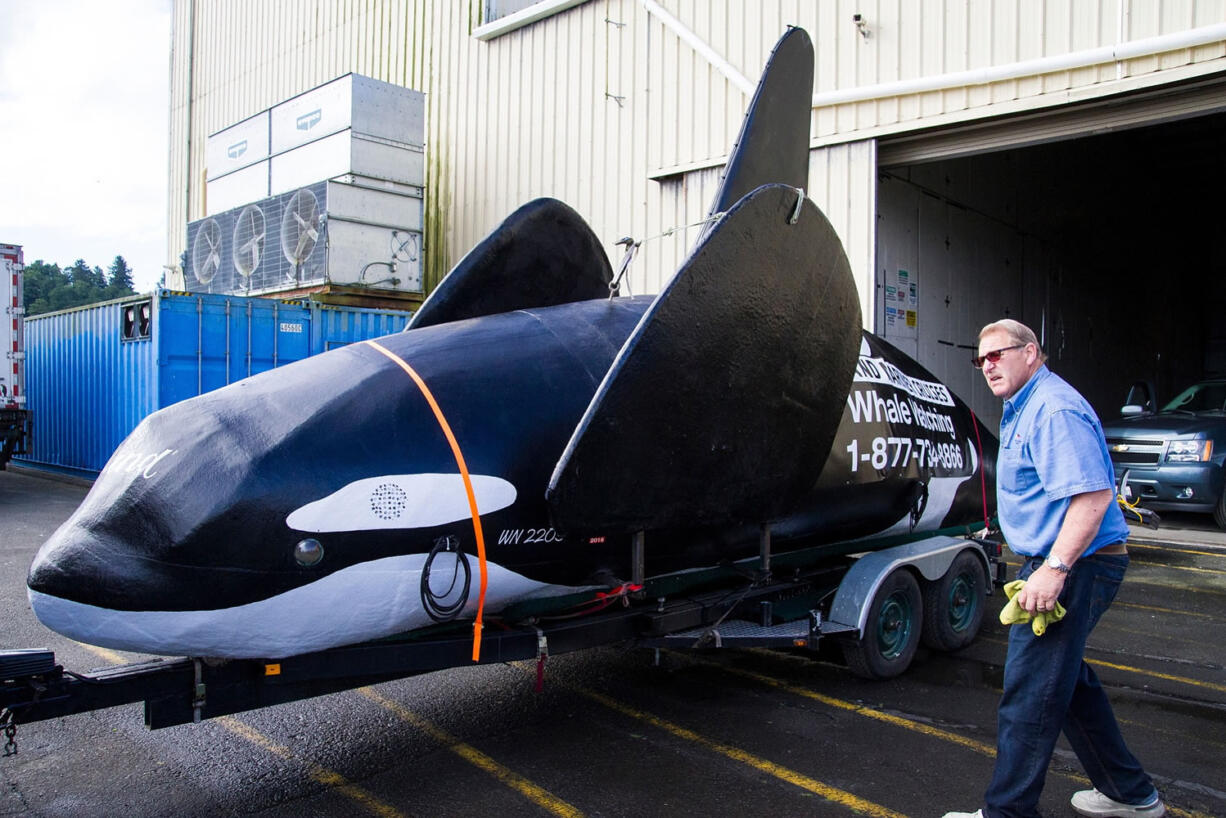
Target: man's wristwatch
column 1055, row 564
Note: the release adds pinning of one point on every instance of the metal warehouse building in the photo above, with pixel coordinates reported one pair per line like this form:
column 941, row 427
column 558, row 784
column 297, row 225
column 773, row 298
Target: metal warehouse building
column 1057, row 161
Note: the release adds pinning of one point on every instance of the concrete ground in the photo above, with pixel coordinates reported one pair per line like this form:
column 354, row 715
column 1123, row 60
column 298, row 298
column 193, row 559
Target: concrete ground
column 726, row 732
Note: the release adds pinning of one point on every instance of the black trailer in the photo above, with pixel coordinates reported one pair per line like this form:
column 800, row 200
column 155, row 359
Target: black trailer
column 879, row 606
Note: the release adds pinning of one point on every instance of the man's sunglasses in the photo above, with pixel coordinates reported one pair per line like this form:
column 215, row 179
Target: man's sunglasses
column 993, row 356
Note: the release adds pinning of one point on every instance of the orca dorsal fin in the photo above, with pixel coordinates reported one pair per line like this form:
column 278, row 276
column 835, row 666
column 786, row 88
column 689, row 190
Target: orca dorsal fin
column 773, row 145
column 723, row 403
column 542, row 255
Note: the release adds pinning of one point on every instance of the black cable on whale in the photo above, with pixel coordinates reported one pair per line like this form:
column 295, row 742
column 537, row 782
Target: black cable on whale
column 432, row 602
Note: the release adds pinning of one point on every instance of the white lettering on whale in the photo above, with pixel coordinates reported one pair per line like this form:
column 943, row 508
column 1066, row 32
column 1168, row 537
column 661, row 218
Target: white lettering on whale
column 141, row 463
column 879, row 370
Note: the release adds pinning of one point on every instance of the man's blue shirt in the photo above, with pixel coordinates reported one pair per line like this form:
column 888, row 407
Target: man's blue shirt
column 1051, row 448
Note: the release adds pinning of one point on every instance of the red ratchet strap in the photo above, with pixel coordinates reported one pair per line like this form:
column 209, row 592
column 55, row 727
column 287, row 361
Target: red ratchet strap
column 983, row 480
column 622, row 591
column 468, row 488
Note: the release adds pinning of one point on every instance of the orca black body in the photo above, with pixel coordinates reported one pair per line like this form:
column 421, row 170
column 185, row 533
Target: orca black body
column 320, row 504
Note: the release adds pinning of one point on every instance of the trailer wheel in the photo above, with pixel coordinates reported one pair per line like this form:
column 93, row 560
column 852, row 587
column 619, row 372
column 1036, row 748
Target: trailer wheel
column 954, row 604
column 892, row 631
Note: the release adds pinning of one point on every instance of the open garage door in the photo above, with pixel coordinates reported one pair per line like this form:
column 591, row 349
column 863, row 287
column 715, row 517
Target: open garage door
column 1099, row 226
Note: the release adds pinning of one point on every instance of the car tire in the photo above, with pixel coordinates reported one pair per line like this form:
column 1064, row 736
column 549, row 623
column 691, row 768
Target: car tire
column 1219, row 511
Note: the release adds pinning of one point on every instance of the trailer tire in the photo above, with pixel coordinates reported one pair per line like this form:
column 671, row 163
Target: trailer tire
column 892, row 630
column 954, row 604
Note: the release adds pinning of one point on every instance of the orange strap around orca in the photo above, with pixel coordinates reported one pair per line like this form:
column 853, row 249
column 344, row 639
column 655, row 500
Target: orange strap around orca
column 468, row 487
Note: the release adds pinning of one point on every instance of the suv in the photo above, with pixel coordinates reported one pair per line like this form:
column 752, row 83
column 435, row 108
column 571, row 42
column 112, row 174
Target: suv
column 1172, row 459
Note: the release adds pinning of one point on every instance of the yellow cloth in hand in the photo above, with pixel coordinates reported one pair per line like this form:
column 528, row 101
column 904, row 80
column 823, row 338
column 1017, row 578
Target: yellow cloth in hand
column 1015, row 614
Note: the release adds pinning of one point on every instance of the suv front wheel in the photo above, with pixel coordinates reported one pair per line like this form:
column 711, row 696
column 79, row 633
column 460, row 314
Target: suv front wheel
column 1219, row 511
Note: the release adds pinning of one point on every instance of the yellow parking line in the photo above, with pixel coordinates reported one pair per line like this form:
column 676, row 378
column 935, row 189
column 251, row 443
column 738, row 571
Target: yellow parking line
column 1129, row 629
column 1154, row 674
column 1176, row 549
column 897, row 721
column 1175, row 583
column 1191, row 568
column 472, row 755
column 105, row 654
column 860, row 710
column 1152, row 728
column 1156, row 609
column 841, row 797
column 320, row 774
column 1139, row 671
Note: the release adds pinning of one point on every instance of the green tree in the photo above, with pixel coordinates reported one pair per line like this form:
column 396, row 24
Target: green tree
column 48, row 287
column 119, row 280
column 40, row 279
column 81, row 274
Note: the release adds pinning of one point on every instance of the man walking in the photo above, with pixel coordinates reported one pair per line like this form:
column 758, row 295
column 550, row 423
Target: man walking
column 1055, row 497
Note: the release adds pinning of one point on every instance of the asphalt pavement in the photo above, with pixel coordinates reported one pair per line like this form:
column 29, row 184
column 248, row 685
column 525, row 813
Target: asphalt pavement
column 613, row 733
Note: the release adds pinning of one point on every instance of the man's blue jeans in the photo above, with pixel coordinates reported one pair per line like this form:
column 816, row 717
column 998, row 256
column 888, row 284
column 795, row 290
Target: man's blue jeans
column 1049, row 688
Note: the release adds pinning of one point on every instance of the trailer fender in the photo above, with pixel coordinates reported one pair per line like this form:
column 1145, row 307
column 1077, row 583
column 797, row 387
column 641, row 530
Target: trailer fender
column 931, row 557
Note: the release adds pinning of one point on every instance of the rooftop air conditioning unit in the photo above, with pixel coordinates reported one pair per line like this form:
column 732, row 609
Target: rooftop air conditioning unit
column 326, row 187
column 329, row 232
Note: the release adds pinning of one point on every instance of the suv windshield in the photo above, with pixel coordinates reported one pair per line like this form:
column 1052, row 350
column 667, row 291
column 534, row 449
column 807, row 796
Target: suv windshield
column 1202, row 397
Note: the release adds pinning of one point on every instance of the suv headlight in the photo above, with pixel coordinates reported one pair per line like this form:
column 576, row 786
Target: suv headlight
column 1189, row 451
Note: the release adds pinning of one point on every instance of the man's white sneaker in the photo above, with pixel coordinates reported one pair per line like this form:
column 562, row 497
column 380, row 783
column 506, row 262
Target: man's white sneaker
column 1096, row 805
column 976, row 814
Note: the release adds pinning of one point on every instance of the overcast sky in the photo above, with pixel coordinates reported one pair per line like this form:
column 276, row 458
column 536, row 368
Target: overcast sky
column 84, row 113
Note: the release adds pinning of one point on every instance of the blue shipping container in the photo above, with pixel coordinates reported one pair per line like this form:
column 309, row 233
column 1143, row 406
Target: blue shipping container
column 93, row 373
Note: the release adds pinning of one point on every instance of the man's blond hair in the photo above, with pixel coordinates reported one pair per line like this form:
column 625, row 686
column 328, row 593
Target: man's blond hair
column 1018, row 333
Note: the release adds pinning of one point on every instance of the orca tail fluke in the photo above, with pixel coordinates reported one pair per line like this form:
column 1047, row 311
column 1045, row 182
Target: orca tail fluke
column 724, row 402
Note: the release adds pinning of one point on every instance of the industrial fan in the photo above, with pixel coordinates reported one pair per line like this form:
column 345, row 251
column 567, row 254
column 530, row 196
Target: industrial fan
column 206, row 251
column 301, row 225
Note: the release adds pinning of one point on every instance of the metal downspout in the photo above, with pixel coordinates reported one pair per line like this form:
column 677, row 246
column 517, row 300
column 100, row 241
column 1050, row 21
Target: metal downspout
column 191, row 89
column 1028, row 68
column 1117, row 53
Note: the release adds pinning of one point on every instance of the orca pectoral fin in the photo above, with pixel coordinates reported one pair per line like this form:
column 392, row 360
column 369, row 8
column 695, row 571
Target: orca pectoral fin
column 723, row 403
column 773, row 145
column 542, row 255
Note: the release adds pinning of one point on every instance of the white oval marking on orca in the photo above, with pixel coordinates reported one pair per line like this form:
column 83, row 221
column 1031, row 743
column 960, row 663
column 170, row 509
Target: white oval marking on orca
column 401, row 501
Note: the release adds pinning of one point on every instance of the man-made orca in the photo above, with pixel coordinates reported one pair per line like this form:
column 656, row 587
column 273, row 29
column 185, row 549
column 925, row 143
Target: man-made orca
column 539, row 424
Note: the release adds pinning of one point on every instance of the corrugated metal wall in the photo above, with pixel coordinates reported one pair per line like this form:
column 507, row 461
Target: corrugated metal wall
column 842, row 182
column 594, row 104
column 82, row 412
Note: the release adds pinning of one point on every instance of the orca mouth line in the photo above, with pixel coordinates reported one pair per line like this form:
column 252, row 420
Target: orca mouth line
column 367, row 601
